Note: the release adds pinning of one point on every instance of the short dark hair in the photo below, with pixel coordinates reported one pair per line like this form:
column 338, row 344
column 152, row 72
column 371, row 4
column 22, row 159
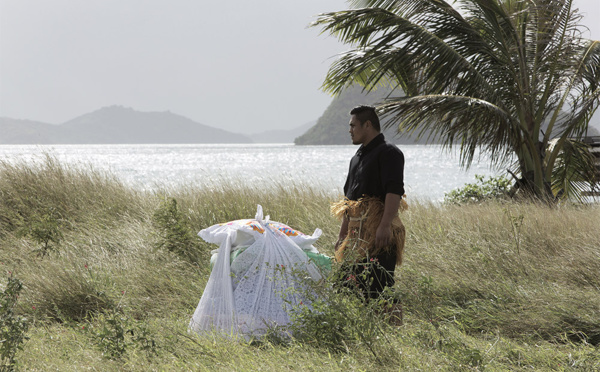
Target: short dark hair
column 367, row 113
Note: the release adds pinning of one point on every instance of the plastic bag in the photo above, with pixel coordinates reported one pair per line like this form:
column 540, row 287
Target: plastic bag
column 250, row 294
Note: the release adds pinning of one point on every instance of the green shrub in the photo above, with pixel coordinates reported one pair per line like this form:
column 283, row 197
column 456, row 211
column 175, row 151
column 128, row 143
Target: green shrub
column 482, row 190
column 175, row 234
column 12, row 326
column 336, row 317
column 45, row 230
column 115, row 332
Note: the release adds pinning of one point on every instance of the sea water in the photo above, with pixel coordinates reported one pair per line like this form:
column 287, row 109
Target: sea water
column 429, row 171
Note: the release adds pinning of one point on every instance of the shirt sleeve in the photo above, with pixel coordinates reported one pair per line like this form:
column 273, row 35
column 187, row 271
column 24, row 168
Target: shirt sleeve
column 349, row 177
column 392, row 170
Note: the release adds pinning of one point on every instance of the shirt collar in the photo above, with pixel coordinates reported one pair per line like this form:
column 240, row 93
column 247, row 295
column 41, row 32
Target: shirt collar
column 378, row 140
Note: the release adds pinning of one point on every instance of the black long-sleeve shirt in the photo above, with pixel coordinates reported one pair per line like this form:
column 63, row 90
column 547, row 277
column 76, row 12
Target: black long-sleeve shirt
column 375, row 170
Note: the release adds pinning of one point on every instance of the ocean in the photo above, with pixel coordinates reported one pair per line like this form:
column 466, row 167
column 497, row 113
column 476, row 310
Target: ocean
column 429, row 172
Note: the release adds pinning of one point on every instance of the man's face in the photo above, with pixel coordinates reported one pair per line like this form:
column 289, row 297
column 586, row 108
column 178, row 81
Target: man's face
column 357, row 131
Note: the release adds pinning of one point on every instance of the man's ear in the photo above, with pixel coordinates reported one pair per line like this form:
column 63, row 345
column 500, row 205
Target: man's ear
column 368, row 124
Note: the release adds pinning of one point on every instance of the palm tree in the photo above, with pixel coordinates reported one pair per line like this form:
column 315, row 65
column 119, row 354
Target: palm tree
column 514, row 78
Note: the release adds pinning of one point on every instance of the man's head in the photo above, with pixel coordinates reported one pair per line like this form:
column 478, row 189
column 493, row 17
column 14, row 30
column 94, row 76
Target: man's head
column 364, row 124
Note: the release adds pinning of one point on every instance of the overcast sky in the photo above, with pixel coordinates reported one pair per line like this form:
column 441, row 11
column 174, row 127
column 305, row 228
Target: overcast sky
column 238, row 65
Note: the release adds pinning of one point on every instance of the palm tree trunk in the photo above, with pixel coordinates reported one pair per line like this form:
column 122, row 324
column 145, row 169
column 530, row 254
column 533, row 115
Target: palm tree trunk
column 533, row 183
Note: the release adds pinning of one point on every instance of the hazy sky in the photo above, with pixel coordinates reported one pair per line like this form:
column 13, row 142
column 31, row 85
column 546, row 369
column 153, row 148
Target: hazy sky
column 237, row 65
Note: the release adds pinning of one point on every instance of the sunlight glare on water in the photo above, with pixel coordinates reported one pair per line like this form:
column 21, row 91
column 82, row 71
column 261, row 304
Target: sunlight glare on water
column 428, row 173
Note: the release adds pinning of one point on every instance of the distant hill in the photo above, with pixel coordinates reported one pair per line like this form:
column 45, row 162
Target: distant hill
column 281, row 135
column 116, row 125
column 332, row 126
column 15, row 131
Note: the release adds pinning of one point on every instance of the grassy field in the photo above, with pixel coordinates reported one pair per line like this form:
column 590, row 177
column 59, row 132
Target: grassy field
column 111, row 277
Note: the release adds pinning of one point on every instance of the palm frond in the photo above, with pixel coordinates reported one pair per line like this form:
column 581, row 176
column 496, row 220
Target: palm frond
column 584, row 90
column 464, row 121
column 574, row 171
column 388, row 40
column 579, row 87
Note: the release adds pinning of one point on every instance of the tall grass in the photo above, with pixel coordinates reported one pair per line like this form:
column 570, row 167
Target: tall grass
column 522, row 269
column 490, row 286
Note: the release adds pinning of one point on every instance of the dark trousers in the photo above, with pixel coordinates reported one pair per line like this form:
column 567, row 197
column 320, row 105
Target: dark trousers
column 371, row 275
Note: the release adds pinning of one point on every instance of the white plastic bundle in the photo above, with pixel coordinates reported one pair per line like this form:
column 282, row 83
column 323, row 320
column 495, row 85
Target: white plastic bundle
column 250, row 294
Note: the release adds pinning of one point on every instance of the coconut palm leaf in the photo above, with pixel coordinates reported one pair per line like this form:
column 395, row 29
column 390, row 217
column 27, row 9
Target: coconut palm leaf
column 574, row 171
column 464, row 121
column 386, row 42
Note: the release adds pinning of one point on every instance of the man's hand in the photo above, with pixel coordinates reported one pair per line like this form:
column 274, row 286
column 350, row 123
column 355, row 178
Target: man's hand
column 343, row 232
column 338, row 243
column 383, row 235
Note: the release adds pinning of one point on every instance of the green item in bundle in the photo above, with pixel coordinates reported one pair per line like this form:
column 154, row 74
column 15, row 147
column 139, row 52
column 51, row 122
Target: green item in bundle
column 322, row 261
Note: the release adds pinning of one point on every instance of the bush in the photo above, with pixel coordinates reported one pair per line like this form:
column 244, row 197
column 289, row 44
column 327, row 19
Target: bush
column 482, row 190
column 337, row 317
column 175, row 234
column 12, row 326
column 115, row 332
column 45, row 230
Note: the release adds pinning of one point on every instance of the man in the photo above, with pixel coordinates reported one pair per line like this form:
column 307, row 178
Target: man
column 371, row 238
